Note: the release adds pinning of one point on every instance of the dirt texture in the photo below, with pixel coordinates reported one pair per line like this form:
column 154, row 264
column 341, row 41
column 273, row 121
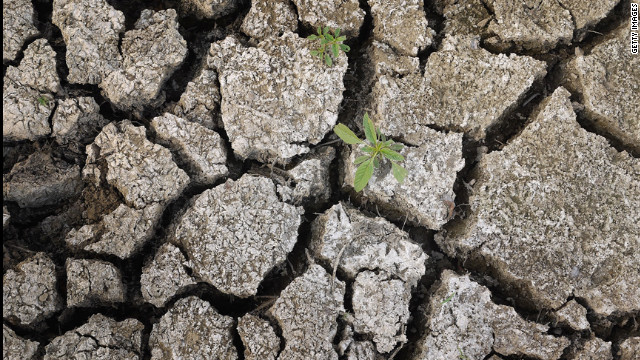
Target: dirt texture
column 601, row 78
column 204, row 332
column 270, row 18
column 14, row 347
column 462, row 89
column 173, row 187
column 29, row 293
column 259, row 338
column 18, row 25
column 461, row 315
column 28, row 91
column 505, row 223
column 93, row 283
column 76, row 122
column 402, row 25
column 343, row 14
column 39, row 181
column 142, row 171
column 100, row 338
column 236, row 232
column 276, row 100
column 91, row 30
column 202, row 150
column 164, row 275
column 146, row 63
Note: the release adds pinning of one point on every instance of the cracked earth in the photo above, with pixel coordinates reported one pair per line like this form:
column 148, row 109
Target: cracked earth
column 173, row 189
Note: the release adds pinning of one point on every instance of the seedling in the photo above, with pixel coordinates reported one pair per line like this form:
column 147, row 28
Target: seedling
column 461, row 356
column 43, row 101
column 378, row 149
column 330, row 45
column 448, row 298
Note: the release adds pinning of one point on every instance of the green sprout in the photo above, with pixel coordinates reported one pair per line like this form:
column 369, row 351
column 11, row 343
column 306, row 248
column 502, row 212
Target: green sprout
column 448, row 298
column 43, row 101
column 461, row 356
column 378, row 149
column 328, row 41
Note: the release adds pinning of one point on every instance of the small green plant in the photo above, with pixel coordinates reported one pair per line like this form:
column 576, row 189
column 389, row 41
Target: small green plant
column 448, row 299
column 379, row 148
column 329, row 44
column 43, row 101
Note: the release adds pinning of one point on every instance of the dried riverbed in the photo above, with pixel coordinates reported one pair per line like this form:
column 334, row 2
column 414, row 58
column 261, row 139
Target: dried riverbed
column 172, row 187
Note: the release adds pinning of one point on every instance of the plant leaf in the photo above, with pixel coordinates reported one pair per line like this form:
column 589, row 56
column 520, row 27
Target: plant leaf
column 376, row 162
column 392, row 155
column 337, row 32
column 346, row 134
column 368, row 149
column 448, row 299
column 396, row 146
column 363, row 174
column 327, row 60
column 369, row 129
column 314, row 52
column 335, row 47
column 341, row 38
column 345, row 48
column 377, row 133
column 398, row 172
column 319, row 31
column 361, row 159
column 326, row 31
column 312, row 37
column 330, row 37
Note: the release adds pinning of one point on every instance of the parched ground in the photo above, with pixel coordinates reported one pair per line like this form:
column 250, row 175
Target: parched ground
column 173, row 189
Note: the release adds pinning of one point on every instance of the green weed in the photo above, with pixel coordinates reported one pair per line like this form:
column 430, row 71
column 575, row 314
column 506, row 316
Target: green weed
column 461, row 356
column 329, row 45
column 377, row 149
column 448, row 298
